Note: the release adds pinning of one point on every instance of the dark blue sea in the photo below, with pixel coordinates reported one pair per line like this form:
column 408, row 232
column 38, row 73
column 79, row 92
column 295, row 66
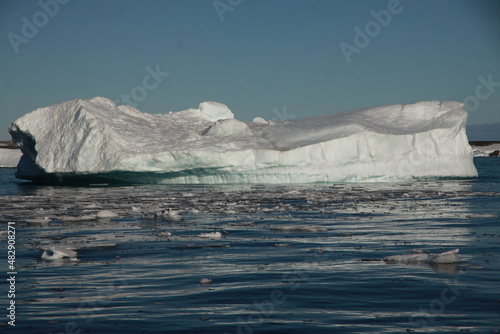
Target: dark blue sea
column 286, row 258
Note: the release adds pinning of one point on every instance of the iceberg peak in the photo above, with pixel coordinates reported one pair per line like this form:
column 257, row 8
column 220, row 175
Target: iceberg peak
column 215, row 111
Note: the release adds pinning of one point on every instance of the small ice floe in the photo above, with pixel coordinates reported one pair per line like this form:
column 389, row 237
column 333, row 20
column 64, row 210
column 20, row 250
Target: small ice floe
column 419, row 256
column 205, row 281
column 174, row 215
column 211, row 235
column 164, row 234
column 59, row 252
column 106, row 214
column 446, row 257
column 282, row 245
column 299, row 228
column 44, row 220
column 416, row 256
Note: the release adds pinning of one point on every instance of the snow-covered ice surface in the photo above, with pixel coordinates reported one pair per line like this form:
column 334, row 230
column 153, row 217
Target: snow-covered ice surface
column 9, row 158
column 94, row 138
column 286, row 258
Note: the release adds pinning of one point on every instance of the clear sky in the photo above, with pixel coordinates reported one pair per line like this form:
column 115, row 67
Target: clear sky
column 269, row 58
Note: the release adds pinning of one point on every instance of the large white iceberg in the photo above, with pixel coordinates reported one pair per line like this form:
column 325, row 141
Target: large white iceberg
column 95, row 138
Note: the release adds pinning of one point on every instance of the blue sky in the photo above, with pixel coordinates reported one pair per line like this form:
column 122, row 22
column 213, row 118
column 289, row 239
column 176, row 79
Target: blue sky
column 269, row 58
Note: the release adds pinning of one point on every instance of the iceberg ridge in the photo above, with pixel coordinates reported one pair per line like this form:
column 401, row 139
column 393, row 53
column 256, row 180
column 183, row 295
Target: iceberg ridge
column 83, row 138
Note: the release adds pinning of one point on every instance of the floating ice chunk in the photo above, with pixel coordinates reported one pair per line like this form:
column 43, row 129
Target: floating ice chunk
column 174, row 215
column 408, row 259
column 43, row 220
column 106, row 214
column 211, row 235
column 446, row 257
column 59, row 252
column 205, row 281
column 418, row 256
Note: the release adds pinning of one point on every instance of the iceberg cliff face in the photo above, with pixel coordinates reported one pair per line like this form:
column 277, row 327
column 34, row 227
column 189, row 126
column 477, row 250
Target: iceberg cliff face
column 79, row 138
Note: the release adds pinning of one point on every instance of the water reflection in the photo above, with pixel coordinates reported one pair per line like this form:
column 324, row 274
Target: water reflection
column 444, row 268
column 146, row 267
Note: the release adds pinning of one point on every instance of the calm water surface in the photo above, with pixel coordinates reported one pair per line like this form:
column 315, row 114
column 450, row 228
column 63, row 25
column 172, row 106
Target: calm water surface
column 290, row 259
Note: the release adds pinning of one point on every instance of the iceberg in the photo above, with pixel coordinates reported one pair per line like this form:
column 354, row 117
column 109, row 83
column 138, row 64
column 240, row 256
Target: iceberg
column 9, row 155
column 85, row 140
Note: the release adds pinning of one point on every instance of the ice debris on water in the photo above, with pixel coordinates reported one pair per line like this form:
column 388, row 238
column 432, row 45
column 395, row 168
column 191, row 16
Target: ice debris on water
column 446, row 257
column 58, row 252
column 205, row 281
column 419, row 256
column 106, row 214
column 174, row 215
column 211, row 235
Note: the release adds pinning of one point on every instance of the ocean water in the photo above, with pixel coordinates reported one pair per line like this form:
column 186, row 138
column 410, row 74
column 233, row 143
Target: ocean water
column 289, row 259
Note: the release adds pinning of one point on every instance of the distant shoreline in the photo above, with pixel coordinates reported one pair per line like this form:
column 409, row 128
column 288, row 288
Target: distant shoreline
column 483, row 143
column 8, row 145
